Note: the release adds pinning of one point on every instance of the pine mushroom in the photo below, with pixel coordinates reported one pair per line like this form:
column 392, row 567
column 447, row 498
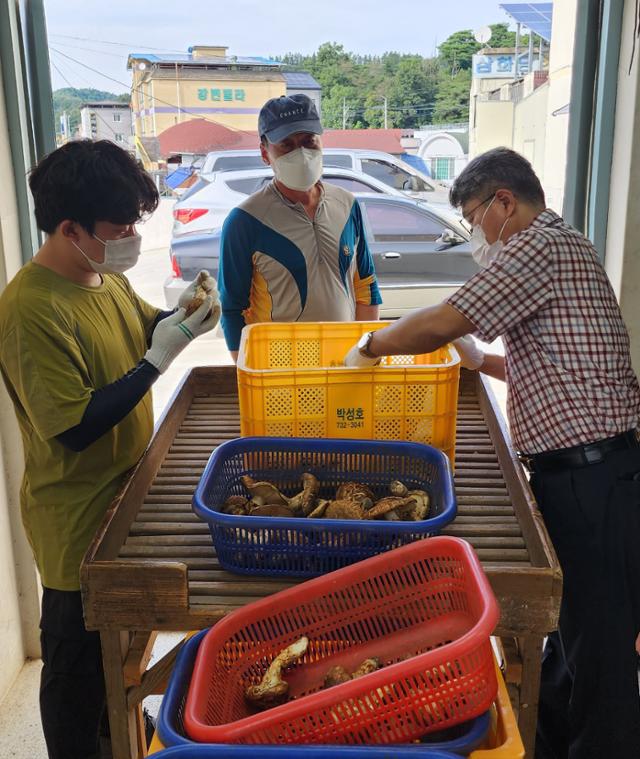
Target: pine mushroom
column 272, row 689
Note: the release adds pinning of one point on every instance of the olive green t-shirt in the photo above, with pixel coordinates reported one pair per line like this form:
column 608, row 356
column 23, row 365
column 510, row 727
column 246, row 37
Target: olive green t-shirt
column 59, row 342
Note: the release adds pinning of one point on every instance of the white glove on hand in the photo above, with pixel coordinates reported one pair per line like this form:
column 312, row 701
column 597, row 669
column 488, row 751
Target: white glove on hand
column 355, row 358
column 173, row 334
column 204, row 280
column 471, row 357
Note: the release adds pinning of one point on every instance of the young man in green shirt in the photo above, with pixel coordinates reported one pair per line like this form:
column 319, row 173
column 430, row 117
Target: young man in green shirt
column 79, row 352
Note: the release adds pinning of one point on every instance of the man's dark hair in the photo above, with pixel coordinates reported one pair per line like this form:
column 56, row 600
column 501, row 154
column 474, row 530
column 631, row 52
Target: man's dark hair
column 86, row 182
column 497, row 169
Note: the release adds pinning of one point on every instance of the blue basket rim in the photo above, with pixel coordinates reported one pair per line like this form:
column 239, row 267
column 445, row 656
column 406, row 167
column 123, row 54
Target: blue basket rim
column 181, row 676
column 334, row 445
column 299, row 751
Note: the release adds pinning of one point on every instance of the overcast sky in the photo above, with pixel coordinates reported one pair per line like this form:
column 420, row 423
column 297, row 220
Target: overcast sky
column 110, row 29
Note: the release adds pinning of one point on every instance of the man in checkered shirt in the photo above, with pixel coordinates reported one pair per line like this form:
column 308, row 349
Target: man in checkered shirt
column 573, row 405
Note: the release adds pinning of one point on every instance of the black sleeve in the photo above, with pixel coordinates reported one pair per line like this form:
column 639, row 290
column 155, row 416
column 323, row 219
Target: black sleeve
column 109, row 405
column 162, row 315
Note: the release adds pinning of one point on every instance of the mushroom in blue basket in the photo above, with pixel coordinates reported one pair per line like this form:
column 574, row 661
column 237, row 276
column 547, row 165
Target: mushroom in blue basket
column 388, row 504
column 305, row 501
column 345, row 510
column 263, row 493
column 354, row 491
column 235, row 504
column 421, row 508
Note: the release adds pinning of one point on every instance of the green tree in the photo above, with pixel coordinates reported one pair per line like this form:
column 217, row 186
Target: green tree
column 70, row 100
column 501, row 36
column 456, row 52
column 412, row 91
column 452, row 100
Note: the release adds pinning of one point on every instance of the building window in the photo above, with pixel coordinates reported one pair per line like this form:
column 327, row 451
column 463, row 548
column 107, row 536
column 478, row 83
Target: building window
column 443, row 168
column 117, row 117
column 119, row 138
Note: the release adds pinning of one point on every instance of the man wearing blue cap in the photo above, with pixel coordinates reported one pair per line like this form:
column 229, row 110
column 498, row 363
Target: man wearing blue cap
column 296, row 249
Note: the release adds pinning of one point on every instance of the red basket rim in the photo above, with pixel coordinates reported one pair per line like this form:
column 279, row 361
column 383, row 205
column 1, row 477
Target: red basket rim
column 325, row 698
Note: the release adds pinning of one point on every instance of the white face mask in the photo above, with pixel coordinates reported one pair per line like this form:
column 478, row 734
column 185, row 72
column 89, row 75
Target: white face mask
column 483, row 252
column 119, row 255
column 298, row 170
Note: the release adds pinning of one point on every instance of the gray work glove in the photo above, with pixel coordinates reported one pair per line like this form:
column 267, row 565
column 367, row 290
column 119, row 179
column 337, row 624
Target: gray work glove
column 173, row 334
column 471, row 357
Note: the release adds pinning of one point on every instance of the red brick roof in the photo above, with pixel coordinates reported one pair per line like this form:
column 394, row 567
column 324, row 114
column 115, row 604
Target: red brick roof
column 387, row 140
column 201, row 136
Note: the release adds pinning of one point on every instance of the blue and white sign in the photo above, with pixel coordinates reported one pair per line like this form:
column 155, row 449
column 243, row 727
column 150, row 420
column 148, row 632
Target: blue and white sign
column 501, row 65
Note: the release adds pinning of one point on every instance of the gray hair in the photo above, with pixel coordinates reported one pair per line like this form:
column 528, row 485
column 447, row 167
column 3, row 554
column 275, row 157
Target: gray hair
column 497, row 169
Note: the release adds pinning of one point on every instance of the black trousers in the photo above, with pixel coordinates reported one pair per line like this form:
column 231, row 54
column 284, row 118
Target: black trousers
column 589, row 698
column 72, row 692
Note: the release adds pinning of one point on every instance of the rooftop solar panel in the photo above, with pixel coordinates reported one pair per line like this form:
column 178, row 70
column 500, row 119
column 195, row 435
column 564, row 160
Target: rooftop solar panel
column 535, row 16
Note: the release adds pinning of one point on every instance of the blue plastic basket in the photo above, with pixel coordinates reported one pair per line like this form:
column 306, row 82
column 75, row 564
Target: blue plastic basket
column 211, row 751
column 464, row 739
column 309, row 547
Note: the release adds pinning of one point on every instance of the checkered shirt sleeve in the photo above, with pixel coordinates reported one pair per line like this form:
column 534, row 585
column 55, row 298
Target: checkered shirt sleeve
column 516, row 286
column 567, row 355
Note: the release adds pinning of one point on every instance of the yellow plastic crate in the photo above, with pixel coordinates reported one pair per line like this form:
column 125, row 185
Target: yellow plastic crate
column 503, row 741
column 292, row 383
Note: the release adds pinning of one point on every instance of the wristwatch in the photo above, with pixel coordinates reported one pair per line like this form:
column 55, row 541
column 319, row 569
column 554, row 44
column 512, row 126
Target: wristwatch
column 363, row 345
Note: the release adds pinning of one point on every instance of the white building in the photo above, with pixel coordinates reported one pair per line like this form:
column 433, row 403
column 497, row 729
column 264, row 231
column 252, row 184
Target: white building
column 107, row 120
column 444, row 148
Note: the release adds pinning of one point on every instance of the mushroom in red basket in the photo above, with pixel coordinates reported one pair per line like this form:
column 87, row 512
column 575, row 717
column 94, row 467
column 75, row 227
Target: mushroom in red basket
column 335, row 676
column 272, row 689
column 338, row 674
column 368, row 665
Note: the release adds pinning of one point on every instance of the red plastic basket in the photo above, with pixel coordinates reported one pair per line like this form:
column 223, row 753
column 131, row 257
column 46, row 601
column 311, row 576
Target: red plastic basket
column 426, row 610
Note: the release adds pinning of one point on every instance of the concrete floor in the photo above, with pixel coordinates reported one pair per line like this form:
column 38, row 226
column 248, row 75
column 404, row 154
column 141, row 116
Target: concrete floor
column 20, row 731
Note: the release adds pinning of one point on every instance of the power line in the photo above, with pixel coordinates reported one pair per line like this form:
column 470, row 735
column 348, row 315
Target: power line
column 89, row 49
column 120, row 44
column 96, row 113
column 146, row 95
column 62, row 75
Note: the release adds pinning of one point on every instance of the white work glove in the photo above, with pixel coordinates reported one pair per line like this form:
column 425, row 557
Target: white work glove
column 173, row 334
column 355, row 358
column 204, row 280
column 471, row 357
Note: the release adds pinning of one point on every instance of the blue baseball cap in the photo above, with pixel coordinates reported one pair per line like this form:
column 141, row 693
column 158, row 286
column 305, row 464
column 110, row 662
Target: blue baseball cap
column 280, row 117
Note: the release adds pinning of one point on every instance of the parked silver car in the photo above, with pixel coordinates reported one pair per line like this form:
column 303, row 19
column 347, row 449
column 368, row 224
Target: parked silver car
column 421, row 253
column 205, row 206
column 389, row 169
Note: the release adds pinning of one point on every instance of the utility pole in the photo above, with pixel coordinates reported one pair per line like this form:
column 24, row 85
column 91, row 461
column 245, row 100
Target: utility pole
column 385, row 112
column 344, row 113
